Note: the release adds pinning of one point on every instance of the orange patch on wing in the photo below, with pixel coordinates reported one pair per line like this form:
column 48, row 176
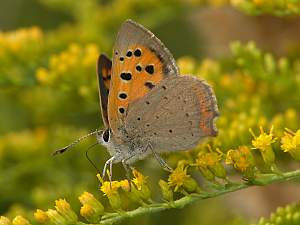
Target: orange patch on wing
column 206, row 110
column 135, row 87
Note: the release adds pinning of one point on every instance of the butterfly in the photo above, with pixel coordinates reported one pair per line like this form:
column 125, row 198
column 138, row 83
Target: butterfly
column 147, row 107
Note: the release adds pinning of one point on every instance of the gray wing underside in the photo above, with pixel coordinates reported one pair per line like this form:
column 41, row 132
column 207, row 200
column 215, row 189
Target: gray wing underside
column 175, row 115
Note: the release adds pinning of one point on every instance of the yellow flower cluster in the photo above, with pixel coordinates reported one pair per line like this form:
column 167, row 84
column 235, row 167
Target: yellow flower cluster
column 264, row 144
column 209, row 164
column 243, row 160
column 137, row 190
column 63, row 214
column 91, row 208
column 14, row 41
column 68, row 64
column 277, row 7
column 290, row 142
column 18, row 220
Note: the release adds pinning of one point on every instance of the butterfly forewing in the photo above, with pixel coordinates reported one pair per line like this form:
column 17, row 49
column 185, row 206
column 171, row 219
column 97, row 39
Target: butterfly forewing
column 140, row 62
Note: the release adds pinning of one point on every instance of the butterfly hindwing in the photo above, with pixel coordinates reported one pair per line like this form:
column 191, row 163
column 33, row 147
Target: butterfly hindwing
column 140, row 62
column 104, row 65
column 178, row 113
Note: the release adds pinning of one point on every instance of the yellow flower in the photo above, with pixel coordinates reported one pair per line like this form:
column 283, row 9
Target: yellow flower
column 64, row 208
column 91, row 55
column 74, row 48
column 88, row 199
column 110, row 188
column 42, row 75
column 140, row 182
column 139, row 179
column 89, row 213
column 209, row 164
column 290, row 142
column 4, row 221
column 264, row 140
column 186, row 65
column 178, row 177
column 19, row 220
column 86, row 210
column 264, row 144
column 242, row 159
column 40, row 216
column 55, row 217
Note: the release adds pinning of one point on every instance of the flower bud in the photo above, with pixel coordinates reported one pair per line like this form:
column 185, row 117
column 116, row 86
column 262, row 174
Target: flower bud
column 19, row 220
column 290, row 142
column 88, row 198
column 140, row 182
column 242, row 160
column 111, row 191
column 133, row 194
column 166, row 191
column 190, row 185
column 41, row 216
column 55, row 217
column 64, row 209
column 88, row 212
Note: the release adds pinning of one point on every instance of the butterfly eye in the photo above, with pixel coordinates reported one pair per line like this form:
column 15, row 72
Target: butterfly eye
column 105, row 135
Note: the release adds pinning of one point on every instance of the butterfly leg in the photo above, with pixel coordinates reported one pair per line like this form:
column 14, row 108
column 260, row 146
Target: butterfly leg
column 108, row 162
column 161, row 161
column 127, row 170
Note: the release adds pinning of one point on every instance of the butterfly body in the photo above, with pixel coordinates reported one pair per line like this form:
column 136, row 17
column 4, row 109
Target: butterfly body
column 147, row 106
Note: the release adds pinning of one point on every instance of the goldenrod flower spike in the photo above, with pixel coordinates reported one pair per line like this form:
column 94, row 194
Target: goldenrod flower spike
column 264, row 144
column 290, row 142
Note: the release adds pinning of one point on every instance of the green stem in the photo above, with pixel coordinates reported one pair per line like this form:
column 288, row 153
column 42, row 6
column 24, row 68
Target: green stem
column 261, row 180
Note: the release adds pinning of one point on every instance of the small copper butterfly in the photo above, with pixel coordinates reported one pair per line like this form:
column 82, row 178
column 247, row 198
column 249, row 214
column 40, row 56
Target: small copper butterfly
column 148, row 108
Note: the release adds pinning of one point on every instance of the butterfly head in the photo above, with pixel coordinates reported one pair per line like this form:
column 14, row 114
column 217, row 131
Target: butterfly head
column 103, row 137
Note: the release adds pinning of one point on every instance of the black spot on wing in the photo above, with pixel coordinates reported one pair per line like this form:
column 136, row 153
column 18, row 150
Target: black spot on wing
column 137, row 52
column 149, row 85
column 123, row 95
column 126, row 76
column 121, row 110
column 129, row 54
column 149, row 69
column 138, row 68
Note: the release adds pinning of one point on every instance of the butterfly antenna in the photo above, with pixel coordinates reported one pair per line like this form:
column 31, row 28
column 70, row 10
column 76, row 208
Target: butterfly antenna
column 68, row 147
column 89, row 159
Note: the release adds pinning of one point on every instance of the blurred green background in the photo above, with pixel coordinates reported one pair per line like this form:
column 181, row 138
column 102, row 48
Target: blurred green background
column 49, row 97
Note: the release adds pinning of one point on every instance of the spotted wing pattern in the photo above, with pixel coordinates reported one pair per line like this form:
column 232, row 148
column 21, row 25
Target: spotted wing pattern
column 175, row 115
column 140, row 62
